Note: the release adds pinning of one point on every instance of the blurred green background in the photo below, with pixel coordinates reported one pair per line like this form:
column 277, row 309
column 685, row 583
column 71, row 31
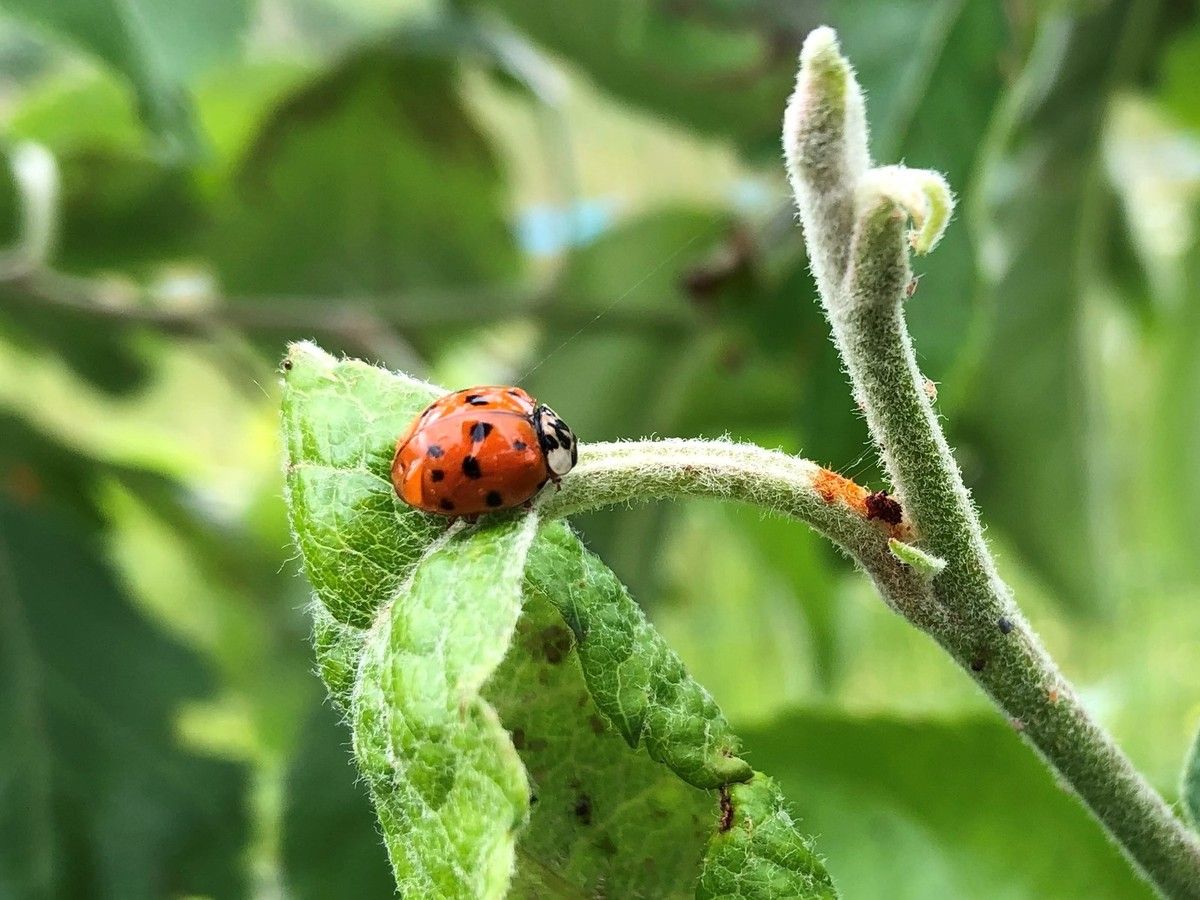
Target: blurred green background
column 586, row 197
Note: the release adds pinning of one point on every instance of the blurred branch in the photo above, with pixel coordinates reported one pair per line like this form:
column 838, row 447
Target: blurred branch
column 365, row 324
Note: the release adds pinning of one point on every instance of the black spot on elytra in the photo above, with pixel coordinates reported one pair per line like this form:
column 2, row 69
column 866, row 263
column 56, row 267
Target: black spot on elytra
column 583, row 809
column 470, row 467
column 476, row 400
column 480, row 430
column 519, row 446
column 435, row 452
column 437, row 475
column 1004, row 625
column 493, row 499
column 447, row 505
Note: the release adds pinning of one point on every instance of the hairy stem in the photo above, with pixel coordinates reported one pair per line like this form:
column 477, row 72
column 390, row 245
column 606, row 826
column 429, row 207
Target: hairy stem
column 638, row 471
column 863, row 293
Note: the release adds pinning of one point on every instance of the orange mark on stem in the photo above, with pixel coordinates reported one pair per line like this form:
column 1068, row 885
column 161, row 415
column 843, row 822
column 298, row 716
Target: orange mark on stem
column 878, row 507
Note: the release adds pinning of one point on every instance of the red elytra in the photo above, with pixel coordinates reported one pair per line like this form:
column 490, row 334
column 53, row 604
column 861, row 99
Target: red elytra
column 481, row 449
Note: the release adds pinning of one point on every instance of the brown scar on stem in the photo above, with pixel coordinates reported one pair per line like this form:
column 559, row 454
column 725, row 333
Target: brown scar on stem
column 726, row 810
column 878, row 506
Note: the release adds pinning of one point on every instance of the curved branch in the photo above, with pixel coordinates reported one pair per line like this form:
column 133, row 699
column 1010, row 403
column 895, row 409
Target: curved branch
column 855, row 520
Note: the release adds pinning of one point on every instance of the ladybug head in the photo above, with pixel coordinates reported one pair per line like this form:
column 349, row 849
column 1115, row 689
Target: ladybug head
column 556, row 440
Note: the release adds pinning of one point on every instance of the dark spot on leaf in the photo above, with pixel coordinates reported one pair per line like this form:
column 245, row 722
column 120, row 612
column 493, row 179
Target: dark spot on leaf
column 435, row 451
column 437, row 475
column 470, row 467
column 881, row 506
column 287, row 365
column 533, row 798
column 1005, row 625
column 493, row 499
column 447, row 505
column 480, row 430
column 556, row 643
column 606, row 845
column 519, row 446
column 536, row 745
column 518, row 738
column 726, row 810
column 583, row 809
column 597, row 724
column 978, row 664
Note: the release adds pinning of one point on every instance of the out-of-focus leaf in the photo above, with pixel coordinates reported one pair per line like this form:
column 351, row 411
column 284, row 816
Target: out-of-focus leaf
column 120, row 206
column 722, row 591
column 933, row 110
column 1180, row 87
column 100, row 354
column 156, row 44
column 1190, row 787
column 370, row 181
column 330, row 839
column 99, row 798
column 1031, row 424
column 724, row 69
column 939, row 809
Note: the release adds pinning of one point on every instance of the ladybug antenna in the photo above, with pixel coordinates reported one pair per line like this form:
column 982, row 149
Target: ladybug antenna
column 600, row 315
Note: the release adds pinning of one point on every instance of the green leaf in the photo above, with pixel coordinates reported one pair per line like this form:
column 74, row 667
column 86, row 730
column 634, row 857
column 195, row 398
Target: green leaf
column 755, row 854
column 99, row 798
column 564, row 791
column 413, row 200
column 156, row 44
column 1190, row 787
column 340, row 425
column 938, row 808
column 638, row 682
column 448, row 785
column 1030, row 423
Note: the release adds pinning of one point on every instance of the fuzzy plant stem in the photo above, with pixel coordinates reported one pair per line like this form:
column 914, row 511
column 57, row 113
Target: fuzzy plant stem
column 856, row 223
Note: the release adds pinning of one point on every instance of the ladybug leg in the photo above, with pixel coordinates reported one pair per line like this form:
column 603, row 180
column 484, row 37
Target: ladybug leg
column 471, row 520
column 528, row 504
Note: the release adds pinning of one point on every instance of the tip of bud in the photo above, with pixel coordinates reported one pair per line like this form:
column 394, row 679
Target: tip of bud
column 820, row 41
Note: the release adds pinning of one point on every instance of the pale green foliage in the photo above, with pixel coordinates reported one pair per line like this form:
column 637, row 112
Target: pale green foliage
column 448, row 786
column 635, row 679
column 510, row 721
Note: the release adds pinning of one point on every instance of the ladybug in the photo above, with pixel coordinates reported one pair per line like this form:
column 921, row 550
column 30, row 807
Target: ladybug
column 480, row 450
